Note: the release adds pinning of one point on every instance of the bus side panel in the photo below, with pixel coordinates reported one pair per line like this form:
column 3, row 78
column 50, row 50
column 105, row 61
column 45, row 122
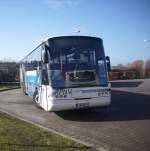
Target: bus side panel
column 31, row 82
column 43, row 97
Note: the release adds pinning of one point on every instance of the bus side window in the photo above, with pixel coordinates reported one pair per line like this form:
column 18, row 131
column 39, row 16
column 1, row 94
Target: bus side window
column 44, row 77
column 108, row 63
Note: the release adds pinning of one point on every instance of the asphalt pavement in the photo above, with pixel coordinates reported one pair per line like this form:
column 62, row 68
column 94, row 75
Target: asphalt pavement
column 136, row 86
column 124, row 126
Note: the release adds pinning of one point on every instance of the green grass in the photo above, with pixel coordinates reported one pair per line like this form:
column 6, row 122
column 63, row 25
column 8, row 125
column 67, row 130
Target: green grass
column 9, row 85
column 3, row 87
column 17, row 135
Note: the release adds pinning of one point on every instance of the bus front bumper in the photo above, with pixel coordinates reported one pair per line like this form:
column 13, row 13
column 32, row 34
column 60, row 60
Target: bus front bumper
column 71, row 104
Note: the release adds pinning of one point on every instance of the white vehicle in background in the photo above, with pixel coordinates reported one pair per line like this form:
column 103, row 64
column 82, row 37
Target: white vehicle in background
column 67, row 72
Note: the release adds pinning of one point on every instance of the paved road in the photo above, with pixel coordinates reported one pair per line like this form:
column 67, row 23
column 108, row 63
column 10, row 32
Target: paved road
column 136, row 86
column 125, row 127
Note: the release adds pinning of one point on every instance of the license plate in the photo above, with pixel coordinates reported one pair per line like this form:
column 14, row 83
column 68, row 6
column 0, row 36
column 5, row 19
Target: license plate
column 82, row 105
column 104, row 92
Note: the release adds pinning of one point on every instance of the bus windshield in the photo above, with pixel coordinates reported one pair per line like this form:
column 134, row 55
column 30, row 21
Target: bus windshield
column 74, row 63
column 75, row 57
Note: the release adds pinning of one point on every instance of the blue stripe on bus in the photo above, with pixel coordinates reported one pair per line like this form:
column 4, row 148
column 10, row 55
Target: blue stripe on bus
column 31, row 84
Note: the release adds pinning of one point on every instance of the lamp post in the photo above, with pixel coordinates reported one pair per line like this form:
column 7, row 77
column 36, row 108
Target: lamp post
column 146, row 42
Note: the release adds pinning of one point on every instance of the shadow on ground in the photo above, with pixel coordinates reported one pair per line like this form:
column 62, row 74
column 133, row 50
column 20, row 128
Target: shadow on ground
column 122, row 84
column 125, row 106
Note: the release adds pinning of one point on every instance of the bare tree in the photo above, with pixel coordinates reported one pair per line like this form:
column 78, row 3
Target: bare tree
column 133, row 70
column 137, row 67
column 147, row 68
column 9, row 71
column 147, row 64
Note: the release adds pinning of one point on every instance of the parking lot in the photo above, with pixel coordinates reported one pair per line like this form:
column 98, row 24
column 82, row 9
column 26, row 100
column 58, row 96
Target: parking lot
column 124, row 126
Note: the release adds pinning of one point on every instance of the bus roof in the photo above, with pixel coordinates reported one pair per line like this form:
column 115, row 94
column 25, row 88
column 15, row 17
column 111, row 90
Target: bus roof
column 74, row 36
column 62, row 37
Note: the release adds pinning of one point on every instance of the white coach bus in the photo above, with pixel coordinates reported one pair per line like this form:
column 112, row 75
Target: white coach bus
column 67, row 72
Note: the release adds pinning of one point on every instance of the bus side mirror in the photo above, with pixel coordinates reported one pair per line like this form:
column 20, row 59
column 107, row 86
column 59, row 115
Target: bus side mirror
column 108, row 63
column 45, row 57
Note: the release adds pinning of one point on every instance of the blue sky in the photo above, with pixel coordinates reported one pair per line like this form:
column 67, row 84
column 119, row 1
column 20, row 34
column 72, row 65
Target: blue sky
column 123, row 25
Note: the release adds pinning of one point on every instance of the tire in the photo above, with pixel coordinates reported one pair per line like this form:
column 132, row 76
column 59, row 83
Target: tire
column 36, row 99
column 24, row 89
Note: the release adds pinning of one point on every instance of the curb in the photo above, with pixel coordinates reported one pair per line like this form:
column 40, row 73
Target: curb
column 130, row 91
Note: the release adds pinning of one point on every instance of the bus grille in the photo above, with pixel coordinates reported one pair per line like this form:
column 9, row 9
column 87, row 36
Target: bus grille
column 85, row 76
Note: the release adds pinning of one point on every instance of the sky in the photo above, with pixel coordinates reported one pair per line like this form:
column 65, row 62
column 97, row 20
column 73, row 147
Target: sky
column 124, row 25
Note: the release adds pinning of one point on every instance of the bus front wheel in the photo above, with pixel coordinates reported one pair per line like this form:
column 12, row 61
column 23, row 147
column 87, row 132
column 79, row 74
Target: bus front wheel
column 36, row 99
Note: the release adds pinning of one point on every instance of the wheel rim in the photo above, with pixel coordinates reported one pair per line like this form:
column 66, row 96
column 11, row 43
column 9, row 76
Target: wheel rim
column 37, row 99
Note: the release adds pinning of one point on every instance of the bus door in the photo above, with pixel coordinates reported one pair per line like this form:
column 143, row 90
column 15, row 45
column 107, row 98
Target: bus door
column 43, row 88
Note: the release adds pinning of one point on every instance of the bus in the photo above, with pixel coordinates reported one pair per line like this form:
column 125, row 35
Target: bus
column 67, row 73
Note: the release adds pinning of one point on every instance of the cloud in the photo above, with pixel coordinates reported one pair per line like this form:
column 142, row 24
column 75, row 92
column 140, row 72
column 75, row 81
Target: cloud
column 57, row 4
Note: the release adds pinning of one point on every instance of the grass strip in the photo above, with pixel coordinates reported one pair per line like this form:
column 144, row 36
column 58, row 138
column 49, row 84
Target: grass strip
column 18, row 135
column 6, row 86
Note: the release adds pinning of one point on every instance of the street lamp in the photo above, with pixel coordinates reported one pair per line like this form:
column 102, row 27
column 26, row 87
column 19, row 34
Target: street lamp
column 146, row 42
